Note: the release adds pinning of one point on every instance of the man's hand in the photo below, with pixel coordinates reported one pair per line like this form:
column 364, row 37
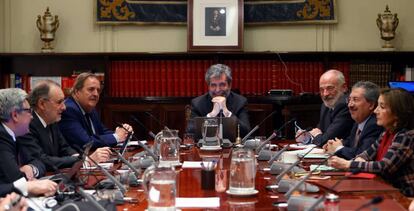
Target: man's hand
column 331, row 146
column 101, row 154
column 42, row 187
column 28, row 171
column 122, row 133
column 219, row 103
column 339, row 163
column 315, row 131
column 6, row 203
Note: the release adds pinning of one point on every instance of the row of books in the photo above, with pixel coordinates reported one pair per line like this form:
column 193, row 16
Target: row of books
column 377, row 72
column 27, row 82
column 186, row 77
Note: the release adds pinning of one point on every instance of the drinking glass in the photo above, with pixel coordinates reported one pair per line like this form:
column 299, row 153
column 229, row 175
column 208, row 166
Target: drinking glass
column 242, row 171
column 210, row 132
column 159, row 183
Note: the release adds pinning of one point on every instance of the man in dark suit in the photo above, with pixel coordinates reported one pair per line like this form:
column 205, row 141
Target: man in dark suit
column 361, row 103
column 45, row 141
column 15, row 116
column 80, row 122
column 220, row 100
column 335, row 120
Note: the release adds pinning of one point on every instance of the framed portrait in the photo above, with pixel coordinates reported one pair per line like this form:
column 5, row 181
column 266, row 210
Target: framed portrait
column 215, row 25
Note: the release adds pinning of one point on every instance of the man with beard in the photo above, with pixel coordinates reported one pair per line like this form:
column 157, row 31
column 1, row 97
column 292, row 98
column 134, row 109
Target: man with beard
column 80, row 122
column 220, row 100
column 335, row 120
column 361, row 103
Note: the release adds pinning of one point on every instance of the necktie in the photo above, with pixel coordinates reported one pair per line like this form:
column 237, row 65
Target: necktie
column 89, row 123
column 49, row 132
column 358, row 133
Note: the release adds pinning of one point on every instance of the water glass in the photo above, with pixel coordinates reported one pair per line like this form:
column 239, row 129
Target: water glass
column 210, row 132
column 242, row 171
column 159, row 183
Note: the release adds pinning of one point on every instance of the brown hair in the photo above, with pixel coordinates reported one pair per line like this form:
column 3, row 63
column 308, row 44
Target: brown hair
column 80, row 81
column 401, row 104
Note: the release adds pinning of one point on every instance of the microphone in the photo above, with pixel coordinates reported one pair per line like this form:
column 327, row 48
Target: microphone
column 156, row 120
column 110, row 177
column 256, row 127
column 293, row 165
column 375, row 200
column 137, row 172
column 277, row 155
column 289, row 193
column 150, row 152
column 150, row 133
column 322, row 198
column 91, row 199
column 274, row 134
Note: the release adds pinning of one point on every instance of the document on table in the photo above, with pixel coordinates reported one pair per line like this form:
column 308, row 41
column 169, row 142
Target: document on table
column 195, row 164
column 197, row 202
column 103, row 165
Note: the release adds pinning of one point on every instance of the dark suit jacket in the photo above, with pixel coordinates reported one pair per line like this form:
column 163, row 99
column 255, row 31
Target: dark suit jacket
column 202, row 105
column 334, row 124
column 9, row 161
column 37, row 144
column 75, row 129
column 6, row 189
column 368, row 136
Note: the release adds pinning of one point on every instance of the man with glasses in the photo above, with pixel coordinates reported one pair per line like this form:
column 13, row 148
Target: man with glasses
column 361, row 103
column 335, row 120
column 45, row 141
column 15, row 116
column 220, row 100
column 80, row 122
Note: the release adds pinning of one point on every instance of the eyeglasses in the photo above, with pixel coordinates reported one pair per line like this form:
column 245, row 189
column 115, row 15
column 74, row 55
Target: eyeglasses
column 28, row 110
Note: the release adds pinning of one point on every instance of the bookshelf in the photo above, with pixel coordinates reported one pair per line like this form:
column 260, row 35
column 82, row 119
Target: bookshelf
column 164, row 83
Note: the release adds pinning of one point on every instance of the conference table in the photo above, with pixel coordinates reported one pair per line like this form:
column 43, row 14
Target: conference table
column 188, row 182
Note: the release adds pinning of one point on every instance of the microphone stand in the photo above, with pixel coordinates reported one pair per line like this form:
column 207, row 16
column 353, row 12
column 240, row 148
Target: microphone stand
column 137, row 172
column 91, row 199
column 322, row 198
column 274, row 134
column 293, row 165
column 143, row 145
column 289, row 193
column 150, row 133
column 256, row 127
column 277, row 155
column 112, row 178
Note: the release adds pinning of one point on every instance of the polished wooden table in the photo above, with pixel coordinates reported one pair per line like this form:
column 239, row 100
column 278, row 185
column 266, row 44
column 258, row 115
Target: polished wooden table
column 189, row 185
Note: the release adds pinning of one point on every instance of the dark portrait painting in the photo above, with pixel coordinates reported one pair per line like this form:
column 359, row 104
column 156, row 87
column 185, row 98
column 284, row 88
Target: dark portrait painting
column 215, row 22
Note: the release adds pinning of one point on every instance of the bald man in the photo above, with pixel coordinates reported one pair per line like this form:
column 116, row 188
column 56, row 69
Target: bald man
column 335, row 120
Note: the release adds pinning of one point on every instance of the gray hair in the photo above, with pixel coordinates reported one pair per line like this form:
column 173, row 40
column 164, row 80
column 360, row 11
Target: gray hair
column 41, row 90
column 339, row 75
column 215, row 71
column 372, row 90
column 80, row 81
column 11, row 99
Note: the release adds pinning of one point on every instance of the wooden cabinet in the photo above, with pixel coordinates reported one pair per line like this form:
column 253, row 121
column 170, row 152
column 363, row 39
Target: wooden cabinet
column 297, row 67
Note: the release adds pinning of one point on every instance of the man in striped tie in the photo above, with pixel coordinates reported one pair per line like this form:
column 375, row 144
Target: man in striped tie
column 361, row 103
